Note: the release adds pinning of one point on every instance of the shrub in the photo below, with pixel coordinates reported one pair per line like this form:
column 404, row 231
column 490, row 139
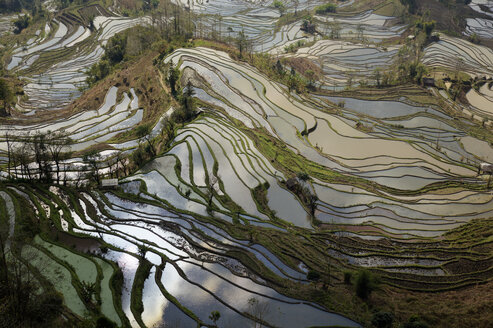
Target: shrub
column 98, row 72
column 411, row 5
column 382, row 319
column 303, row 176
column 474, row 38
column 114, row 53
column 347, row 277
column 139, row 156
column 365, row 284
column 279, row 5
column 308, row 26
column 104, row 322
column 294, row 46
column 21, row 23
column 313, row 275
column 415, row 322
column 326, row 8
column 115, row 49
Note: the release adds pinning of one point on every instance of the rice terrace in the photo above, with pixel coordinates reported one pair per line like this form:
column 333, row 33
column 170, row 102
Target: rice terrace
column 246, row 163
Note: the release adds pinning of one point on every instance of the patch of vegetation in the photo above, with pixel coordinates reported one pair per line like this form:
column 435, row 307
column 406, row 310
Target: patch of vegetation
column 259, row 194
column 382, row 319
column 474, row 38
column 326, row 8
column 411, row 5
column 6, row 97
column 365, row 284
column 27, row 298
column 21, row 23
column 141, row 275
column 308, row 25
column 290, row 17
column 122, row 46
column 294, row 46
column 279, row 5
column 9, row 6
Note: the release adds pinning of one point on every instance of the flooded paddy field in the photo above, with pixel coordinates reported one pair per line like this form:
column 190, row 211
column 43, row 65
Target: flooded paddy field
column 55, row 62
column 263, row 186
column 189, row 265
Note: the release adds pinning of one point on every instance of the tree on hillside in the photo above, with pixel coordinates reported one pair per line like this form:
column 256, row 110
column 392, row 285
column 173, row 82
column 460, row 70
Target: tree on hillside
column 377, row 75
column 143, row 132
column 382, row 320
column 104, row 322
column 310, row 74
column 23, row 302
column 188, row 102
column 258, row 310
column 10, row 6
column 360, row 29
column 365, row 284
column 241, row 42
column 279, row 5
column 58, row 144
column 39, row 148
column 115, row 49
column 92, row 159
column 308, row 25
column 415, row 322
column 411, row 5
column 20, row 156
column 6, row 96
column 9, row 143
column 335, row 30
column 121, row 162
column 312, row 203
column 168, row 129
column 459, row 67
column 173, row 76
column 98, row 71
column 211, row 187
column 21, row 23
column 326, row 8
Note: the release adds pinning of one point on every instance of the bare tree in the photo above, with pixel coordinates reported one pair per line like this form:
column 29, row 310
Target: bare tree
column 6, row 96
column 312, row 204
column 335, row 30
column 22, row 303
column 168, row 129
column 9, row 152
column 38, row 145
column 79, row 177
column 58, row 143
column 121, row 163
column 361, row 31
column 211, row 186
column 92, row 159
column 22, row 157
column 242, row 42
column 459, row 67
column 258, row 310
column 144, row 133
